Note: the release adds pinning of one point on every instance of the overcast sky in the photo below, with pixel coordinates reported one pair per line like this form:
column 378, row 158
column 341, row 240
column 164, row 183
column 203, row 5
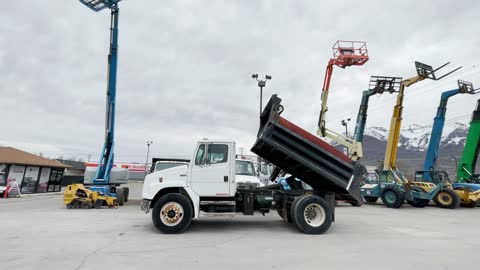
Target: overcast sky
column 185, row 68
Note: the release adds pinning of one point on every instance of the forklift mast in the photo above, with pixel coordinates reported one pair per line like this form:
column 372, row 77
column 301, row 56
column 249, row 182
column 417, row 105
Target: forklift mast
column 345, row 53
column 378, row 85
column 423, row 72
column 430, row 162
column 105, row 164
column 466, row 166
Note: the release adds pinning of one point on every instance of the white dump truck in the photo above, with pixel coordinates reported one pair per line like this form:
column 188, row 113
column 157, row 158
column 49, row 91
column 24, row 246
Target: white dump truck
column 209, row 183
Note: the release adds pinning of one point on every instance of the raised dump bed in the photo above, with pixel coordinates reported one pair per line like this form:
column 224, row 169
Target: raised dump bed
column 306, row 156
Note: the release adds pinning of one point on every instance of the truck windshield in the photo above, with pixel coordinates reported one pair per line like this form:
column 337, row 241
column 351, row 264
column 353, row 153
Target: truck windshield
column 166, row 165
column 2, row 180
column 245, row 168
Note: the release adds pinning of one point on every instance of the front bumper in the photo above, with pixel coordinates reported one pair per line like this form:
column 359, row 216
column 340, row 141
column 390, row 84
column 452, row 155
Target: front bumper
column 145, row 205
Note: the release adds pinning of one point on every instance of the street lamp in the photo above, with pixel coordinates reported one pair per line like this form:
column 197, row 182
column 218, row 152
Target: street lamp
column 261, row 84
column 148, row 152
column 345, row 124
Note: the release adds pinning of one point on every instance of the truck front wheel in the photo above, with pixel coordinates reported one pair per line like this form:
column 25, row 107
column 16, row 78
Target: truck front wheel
column 172, row 213
column 312, row 214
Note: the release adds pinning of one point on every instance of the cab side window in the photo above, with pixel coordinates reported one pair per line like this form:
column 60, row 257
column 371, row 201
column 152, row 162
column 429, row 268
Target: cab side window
column 199, row 160
column 217, row 153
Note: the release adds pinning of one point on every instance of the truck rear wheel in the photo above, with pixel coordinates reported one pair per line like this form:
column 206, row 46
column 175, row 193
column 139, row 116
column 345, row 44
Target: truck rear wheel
column 172, row 213
column 120, row 195
column 312, row 214
column 447, row 198
column 393, row 198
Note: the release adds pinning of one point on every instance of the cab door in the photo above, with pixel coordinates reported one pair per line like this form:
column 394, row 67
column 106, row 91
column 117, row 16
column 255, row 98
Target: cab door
column 211, row 170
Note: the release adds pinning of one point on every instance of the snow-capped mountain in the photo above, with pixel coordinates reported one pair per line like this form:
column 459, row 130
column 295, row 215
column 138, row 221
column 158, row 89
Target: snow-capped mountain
column 416, row 137
column 413, row 143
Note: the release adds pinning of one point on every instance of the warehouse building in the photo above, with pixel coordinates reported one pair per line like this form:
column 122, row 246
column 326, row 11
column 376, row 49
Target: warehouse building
column 33, row 174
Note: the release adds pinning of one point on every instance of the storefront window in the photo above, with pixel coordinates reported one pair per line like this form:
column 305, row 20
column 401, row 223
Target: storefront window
column 16, row 174
column 58, row 181
column 43, row 182
column 51, row 180
column 30, row 179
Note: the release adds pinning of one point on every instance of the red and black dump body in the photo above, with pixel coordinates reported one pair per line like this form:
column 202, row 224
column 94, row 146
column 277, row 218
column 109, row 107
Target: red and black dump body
column 306, row 156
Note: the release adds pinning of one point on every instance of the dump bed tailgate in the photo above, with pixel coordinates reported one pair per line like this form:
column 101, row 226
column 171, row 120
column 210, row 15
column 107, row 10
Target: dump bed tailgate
column 305, row 156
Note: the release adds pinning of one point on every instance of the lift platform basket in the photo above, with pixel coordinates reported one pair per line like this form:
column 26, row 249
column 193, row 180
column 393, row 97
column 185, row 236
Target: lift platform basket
column 350, row 53
column 305, row 156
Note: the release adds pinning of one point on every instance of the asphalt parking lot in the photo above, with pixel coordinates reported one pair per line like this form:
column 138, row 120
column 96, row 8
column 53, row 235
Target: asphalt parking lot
column 39, row 233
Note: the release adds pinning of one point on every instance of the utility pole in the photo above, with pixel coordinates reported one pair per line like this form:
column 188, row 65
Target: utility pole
column 148, row 152
column 261, row 84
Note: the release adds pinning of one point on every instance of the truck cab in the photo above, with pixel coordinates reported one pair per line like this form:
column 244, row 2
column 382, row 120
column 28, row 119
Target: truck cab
column 211, row 172
column 245, row 174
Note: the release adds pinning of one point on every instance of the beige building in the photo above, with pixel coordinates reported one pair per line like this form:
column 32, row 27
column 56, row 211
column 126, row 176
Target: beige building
column 32, row 173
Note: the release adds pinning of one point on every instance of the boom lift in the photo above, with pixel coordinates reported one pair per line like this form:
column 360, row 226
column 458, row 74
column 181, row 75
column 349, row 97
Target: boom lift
column 430, row 172
column 102, row 182
column 393, row 187
column 467, row 193
column 378, row 85
column 468, row 183
column 345, row 53
column 466, row 166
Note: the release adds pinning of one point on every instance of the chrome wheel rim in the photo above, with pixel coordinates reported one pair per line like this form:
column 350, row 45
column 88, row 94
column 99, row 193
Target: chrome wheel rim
column 314, row 214
column 171, row 214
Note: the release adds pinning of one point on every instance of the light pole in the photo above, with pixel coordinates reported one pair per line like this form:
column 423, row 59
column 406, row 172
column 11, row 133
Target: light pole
column 261, row 84
column 148, row 152
column 345, row 124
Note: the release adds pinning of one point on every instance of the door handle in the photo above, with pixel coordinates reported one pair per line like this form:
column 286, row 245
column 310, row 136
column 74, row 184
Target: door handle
column 225, row 179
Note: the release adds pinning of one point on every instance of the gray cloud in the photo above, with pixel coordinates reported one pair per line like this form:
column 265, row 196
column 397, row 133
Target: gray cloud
column 185, row 66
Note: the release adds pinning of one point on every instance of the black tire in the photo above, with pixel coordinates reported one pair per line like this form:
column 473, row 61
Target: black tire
column 294, row 203
column 126, row 191
column 312, row 215
column 447, row 198
column 289, row 215
column 370, row 199
column 393, row 198
column 417, row 202
column 470, row 204
column 185, row 214
column 355, row 203
column 120, row 195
